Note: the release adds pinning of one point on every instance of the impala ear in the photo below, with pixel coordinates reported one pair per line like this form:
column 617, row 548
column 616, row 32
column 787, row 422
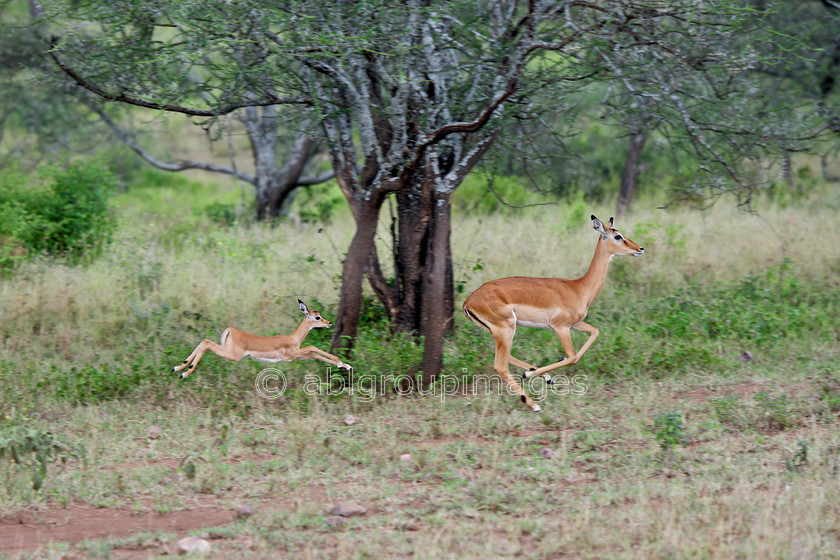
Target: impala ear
column 611, row 222
column 598, row 225
column 303, row 308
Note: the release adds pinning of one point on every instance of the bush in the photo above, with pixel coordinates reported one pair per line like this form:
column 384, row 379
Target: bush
column 669, row 430
column 222, row 214
column 35, row 449
column 65, row 215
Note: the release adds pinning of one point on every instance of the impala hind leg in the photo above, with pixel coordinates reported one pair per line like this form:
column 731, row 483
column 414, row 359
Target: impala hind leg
column 504, row 340
column 224, row 350
column 183, row 364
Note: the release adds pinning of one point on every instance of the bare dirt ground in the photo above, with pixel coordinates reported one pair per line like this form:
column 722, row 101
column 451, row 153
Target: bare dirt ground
column 32, row 529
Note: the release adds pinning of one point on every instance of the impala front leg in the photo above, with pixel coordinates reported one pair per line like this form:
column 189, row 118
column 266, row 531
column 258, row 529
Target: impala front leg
column 188, row 360
column 593, row 336
column 313, row 353
column 519, row 363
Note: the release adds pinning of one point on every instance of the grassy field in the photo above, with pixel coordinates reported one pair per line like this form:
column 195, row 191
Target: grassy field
column 680, row 446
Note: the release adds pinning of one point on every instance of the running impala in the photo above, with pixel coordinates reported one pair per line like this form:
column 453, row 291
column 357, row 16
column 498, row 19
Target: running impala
column 549, row 303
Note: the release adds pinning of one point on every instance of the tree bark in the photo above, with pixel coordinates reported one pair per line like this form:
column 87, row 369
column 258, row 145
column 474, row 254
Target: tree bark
column 630, row 172
column 353, row 271
column 827, row 176
column 787, row 171
column 421, row 299
column 262, row 133
column 286, row 180
column 414, row 215
column 437, row 289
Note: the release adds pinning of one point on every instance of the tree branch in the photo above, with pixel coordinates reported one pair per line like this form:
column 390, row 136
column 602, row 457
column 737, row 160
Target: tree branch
column 461, row 168
column 467, row 127
column 178, row 165
column 123, row 98
column 315, row 179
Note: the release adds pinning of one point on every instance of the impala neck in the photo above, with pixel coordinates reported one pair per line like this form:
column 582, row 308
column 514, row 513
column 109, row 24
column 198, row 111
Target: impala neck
column 592, row 282
column 300, row 333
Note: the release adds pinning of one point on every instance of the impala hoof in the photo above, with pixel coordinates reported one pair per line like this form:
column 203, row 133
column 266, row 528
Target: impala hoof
column 536, row 408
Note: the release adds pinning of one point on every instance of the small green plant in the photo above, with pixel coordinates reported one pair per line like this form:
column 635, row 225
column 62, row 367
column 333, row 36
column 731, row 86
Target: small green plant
column 776, row 412
column 188, row 464
column 669, row 430
column 36, row 449
column 730, row 412
column 799, row 459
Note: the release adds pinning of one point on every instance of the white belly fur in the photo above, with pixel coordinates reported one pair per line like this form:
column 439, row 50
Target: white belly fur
column 530, row 324
column 270, row 360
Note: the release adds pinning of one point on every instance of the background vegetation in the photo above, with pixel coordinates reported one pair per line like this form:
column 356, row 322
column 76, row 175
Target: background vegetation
column 709, row 424
column 681, row 442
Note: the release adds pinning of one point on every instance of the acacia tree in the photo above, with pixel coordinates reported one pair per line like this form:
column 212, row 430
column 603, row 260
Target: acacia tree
column 273, row 186
column 409, row 96
column 811, row 66
column 44, row 121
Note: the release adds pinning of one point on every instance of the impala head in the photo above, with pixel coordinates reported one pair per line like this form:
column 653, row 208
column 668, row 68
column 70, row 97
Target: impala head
column 313, row 317
column 614, row 241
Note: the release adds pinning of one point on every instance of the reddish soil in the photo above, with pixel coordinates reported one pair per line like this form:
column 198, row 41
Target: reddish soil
column 31, row 530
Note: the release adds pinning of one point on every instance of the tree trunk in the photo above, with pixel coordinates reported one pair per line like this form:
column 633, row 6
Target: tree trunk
column 437, row 303
column 286, row 180
column 787, row 171
column 421, row 299
column 262, row 133
column 630, row 172
column 413, row 218
column 362, row 245
column 827, row 176
column 262, row 199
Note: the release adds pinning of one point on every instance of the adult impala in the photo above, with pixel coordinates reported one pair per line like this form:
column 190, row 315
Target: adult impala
column 237, row 344
column 550, row 303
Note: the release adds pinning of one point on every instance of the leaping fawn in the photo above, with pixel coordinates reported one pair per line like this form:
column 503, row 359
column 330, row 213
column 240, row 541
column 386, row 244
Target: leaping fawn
column 237, row 344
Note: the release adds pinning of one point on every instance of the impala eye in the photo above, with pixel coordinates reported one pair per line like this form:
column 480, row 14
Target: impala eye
column 618, row 237
column 317, row 317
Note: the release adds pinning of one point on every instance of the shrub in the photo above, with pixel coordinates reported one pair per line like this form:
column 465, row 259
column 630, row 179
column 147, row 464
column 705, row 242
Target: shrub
column 65, row 215
column 221, row 213
column 35, row 449
column 669, row 430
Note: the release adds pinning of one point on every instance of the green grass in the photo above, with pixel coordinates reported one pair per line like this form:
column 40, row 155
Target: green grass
column 678, row 447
